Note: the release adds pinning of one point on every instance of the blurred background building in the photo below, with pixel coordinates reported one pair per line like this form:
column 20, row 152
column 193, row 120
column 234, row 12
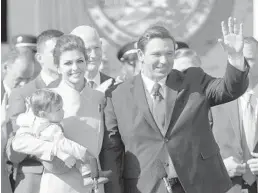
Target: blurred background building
column 196, row 22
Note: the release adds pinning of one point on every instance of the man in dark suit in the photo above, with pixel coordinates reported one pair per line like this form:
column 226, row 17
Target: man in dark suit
column 161, row 116
column 93, row 48
column 236, row 132
column 29, row 170
column 18, row 69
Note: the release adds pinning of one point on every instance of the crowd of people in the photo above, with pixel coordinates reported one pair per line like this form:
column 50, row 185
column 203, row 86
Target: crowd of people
column 161, row 125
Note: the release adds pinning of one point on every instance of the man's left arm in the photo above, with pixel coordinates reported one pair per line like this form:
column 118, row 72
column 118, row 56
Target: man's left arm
column 235, row 81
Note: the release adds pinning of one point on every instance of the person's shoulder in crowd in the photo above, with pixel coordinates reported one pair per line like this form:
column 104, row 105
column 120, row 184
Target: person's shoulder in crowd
column 26, row 90
column 121, row 87
column 104, row 77
column 112, row 87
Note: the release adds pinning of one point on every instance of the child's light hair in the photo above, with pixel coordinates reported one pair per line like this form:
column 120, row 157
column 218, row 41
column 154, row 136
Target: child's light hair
column 43, row 100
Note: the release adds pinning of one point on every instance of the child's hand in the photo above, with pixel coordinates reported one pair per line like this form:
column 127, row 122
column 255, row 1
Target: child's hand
column 70, row 161
column 87, row 181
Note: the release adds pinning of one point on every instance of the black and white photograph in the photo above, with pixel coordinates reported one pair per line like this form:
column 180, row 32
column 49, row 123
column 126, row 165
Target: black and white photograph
column 129, row 96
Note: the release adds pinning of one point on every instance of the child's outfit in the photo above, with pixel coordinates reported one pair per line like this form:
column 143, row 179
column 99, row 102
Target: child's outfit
column 63, row 148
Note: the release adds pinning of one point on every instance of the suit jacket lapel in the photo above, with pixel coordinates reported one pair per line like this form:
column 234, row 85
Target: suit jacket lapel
column 55, row 83
column 170, row 104
column 235, row 118
column 2, row 91
column 39, row 83
column 174, row 86
column 256, row 131
column 103, row 77
column 139, row 96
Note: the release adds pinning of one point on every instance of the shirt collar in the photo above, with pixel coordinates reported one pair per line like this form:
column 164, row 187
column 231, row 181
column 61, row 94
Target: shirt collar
column 46, row 78
column 150, row 83
column 41, row 120
column 7, row 89
column 96, row 79
column 244, row 97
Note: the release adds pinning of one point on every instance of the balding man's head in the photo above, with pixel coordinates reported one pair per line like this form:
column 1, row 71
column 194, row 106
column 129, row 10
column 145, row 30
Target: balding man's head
column 86, row 33
column 92, row 44
column 19, row 67
column 186, row 58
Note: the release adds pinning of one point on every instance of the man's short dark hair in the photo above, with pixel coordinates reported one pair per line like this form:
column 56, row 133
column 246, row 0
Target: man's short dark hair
column 47, row 35
column 154, row 32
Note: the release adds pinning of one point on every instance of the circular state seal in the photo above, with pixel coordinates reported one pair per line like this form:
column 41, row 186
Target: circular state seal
column 121, row 21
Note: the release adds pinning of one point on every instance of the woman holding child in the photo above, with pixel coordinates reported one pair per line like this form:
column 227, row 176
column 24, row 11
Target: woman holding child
column 83, row 112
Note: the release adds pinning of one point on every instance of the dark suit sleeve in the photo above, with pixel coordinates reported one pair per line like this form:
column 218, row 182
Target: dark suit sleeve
column 112, row 153
column 16, row 107
column 226, row 89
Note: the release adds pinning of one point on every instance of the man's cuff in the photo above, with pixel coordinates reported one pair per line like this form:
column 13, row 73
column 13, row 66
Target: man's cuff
column 238, row 62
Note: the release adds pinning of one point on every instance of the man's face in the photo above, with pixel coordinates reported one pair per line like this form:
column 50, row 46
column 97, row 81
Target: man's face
column 157, row 58
column 46, row 58
column 20, row 72
column 94, row 53
column 251, row 55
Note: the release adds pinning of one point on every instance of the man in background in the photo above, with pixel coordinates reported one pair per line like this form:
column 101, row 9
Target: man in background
column 27, row 42
column 236, row 131
column 128, row 57
column 29, row 169
column 93, row 48
column 18, row 69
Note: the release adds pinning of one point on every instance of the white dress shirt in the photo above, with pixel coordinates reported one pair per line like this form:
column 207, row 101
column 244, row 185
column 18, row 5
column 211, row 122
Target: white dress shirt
column 46, row 78
column 96, row 80
column 249, row 123
column 149, row 84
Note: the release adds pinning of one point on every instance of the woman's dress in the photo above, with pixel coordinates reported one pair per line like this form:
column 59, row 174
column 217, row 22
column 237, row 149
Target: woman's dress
column 82, row 124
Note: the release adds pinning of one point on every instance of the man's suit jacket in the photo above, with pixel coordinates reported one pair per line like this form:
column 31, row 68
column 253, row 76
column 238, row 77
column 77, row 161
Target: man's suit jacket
column 189, row 141
column 2, row 91
column 228, row 131
column 103, row 78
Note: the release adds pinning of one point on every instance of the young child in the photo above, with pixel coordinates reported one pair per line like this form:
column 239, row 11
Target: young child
column 45, row 112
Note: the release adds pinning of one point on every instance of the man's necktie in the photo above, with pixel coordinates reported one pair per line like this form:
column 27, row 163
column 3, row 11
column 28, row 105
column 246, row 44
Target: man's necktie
column 249, row 123
column 159, row 110
column 91, row 84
